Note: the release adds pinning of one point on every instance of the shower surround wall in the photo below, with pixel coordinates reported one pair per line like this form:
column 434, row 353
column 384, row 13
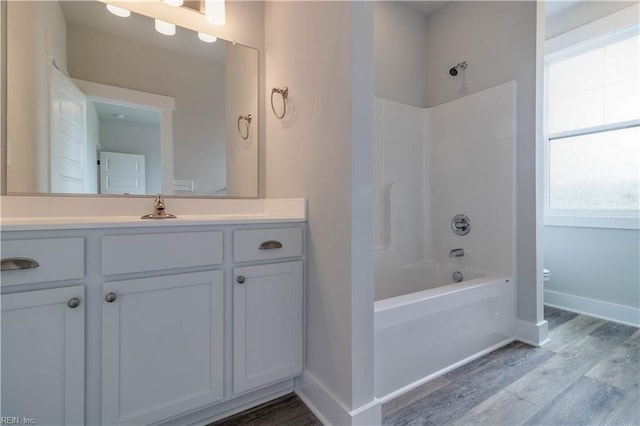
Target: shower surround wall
column 431, row 164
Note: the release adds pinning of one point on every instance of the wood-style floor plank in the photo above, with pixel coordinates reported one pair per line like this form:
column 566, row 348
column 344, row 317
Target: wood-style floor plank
column 627, row 412
column 585, row 402
column 287, row 410
column 443, row 406
column 564, row 335
column 502, row 408
column 502, row 370
column 556, row 317
column 412, row 396
column 622, row 368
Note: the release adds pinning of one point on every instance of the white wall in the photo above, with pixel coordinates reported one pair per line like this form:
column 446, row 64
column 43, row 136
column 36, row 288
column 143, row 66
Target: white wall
column 241, row 98
column 323, row 151
column 400, row 57
column 498, row 39
column 199, row 117
column 594, row 263
column 28, row 71
column 135, row 138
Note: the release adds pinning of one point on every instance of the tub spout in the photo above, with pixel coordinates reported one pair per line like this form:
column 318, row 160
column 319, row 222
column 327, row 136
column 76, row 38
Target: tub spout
column 456, row 252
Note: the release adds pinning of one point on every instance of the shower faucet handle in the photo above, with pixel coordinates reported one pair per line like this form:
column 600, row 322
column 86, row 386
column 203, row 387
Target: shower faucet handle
column 458, row 252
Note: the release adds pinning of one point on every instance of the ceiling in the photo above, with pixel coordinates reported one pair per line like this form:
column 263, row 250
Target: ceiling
column 94, row 15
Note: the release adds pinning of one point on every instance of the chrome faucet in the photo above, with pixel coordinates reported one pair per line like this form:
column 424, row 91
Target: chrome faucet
column 158, row 210
column 456, row 252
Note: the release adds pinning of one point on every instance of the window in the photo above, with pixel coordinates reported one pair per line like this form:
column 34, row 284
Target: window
column 593, row 127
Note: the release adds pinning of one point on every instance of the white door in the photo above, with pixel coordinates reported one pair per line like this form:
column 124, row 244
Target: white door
column 69, row 168
column 43, row 356
column 122, row 173
column 162, row 346
column 267, row 324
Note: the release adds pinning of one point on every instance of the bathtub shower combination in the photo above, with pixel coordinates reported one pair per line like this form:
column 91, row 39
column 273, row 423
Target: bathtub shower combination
column 444, row 294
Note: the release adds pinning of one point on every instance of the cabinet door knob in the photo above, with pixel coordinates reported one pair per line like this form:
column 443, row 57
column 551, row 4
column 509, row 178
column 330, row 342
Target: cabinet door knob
column 74, row 302
column 240, row 279
column 111, row 297
column 12, row 263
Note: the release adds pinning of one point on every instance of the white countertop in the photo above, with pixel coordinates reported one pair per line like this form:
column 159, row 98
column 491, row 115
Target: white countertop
column 247, row 212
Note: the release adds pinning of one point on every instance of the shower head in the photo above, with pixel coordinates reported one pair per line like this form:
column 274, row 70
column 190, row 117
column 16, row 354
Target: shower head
column 461, row 66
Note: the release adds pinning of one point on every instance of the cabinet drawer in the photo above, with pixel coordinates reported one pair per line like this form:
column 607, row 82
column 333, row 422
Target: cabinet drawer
column 123, row 254
column 262, row 244
column 58, row 259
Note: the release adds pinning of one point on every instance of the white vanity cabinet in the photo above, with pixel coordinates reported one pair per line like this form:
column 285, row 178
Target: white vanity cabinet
column 148, row 323
column 43, row 356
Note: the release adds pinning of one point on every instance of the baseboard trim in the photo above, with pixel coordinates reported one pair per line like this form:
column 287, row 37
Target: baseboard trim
column 329, row 409
column 531, row 333
column 592, row 307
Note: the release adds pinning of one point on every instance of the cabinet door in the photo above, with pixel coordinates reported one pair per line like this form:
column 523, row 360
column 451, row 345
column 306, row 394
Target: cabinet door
column 162, row 346
column 43, row 356
column 267, row 324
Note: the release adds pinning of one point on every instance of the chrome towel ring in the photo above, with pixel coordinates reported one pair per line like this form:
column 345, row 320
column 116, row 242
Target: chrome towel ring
column 247, row 119
column 284, row 92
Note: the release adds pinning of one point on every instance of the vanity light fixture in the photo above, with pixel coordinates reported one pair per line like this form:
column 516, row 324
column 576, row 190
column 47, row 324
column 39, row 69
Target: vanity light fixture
column 207, row 38
column 214, row 11
column 175, row 3
column 118, row 11
column 166, row 28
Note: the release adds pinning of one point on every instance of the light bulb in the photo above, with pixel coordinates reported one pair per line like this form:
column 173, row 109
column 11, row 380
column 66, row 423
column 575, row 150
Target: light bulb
column 207, row 38
column 118, row 11
column 175, row 3
column 214, row 11
column 166, row 28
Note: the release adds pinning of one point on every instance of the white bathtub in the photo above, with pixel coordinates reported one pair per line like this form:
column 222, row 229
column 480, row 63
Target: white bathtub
column 425, row 324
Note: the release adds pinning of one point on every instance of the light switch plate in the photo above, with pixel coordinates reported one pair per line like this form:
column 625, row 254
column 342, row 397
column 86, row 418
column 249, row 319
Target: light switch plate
column 183, row 185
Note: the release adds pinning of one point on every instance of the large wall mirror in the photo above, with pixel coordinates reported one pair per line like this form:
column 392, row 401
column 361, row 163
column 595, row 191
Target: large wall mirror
column 103, row 104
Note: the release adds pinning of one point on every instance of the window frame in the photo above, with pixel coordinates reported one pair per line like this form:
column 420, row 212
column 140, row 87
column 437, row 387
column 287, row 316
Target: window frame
column 592, row 36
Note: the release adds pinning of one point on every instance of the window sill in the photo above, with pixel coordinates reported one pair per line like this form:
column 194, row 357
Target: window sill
column 592, row 221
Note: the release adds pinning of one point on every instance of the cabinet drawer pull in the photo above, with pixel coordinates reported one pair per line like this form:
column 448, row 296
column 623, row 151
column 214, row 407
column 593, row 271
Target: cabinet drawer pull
column 74, row 302
column 240, row 279
column 13, row 263
column 270, row 245
column 111, row 297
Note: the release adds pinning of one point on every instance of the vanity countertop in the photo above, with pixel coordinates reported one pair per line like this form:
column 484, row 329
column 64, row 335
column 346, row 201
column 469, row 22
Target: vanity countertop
column 256, row 211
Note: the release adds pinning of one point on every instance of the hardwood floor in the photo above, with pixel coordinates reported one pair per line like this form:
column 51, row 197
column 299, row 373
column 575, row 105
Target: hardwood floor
column 588, row 374
column 288, row 410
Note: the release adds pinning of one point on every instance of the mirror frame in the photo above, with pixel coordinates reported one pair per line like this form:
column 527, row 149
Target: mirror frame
column 150, row 10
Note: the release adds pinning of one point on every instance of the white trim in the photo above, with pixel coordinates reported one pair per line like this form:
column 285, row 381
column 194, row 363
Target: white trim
column 532, row 334
column 605, row 220
column 329, row 409
column 595, row 308
column 124, row 96
column 164, row 104
column 616, row 21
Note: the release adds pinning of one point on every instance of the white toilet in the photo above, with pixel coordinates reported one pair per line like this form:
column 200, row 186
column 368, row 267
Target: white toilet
column 546, row 274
